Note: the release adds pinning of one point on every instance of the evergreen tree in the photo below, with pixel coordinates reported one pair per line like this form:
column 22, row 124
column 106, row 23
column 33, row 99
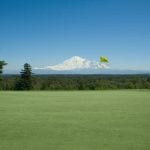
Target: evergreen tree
column 25, row 82
column 2, row 64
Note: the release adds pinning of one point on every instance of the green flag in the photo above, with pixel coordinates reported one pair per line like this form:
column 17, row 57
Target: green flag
column 103, row 59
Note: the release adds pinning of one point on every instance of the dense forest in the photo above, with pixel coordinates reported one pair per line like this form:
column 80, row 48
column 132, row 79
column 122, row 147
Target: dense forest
column 79, row 82
column 29, row 81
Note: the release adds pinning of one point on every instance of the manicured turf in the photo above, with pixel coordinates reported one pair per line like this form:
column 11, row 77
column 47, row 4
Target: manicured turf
column 79, row 120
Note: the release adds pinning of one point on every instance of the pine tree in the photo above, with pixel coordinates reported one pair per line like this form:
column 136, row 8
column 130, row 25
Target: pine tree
column 25, row 82
column 2, row 64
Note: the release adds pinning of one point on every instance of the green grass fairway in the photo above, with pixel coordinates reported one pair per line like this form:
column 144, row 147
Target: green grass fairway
column 78, row 120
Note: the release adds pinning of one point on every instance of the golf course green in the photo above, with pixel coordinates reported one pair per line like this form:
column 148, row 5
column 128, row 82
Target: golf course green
column 75, row 120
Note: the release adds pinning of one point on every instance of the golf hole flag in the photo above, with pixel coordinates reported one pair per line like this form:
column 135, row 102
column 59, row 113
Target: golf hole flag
column 103, row 59
column 104, row 63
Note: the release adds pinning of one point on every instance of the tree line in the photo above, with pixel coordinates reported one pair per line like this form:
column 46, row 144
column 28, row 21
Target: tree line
column 29, row 81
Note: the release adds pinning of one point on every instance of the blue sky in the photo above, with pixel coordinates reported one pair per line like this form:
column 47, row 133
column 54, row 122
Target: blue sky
column 44, row 32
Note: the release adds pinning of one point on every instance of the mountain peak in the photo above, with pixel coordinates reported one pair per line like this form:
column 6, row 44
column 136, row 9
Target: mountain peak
column 76, row 58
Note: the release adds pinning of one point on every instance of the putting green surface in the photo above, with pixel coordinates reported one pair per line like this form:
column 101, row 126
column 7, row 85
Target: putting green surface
column 78, row 120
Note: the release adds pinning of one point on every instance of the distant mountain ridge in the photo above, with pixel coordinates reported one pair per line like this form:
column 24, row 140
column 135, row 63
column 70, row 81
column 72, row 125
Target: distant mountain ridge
column 79, row 65
column 82, row 71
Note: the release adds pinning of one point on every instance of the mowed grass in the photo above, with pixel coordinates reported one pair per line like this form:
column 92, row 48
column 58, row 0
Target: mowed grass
column 78, row 120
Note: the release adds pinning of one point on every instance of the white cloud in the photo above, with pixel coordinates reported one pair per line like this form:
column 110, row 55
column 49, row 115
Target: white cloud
column 76, row 63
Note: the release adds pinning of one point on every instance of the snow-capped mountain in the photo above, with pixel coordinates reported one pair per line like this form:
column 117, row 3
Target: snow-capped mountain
column 75, row 63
